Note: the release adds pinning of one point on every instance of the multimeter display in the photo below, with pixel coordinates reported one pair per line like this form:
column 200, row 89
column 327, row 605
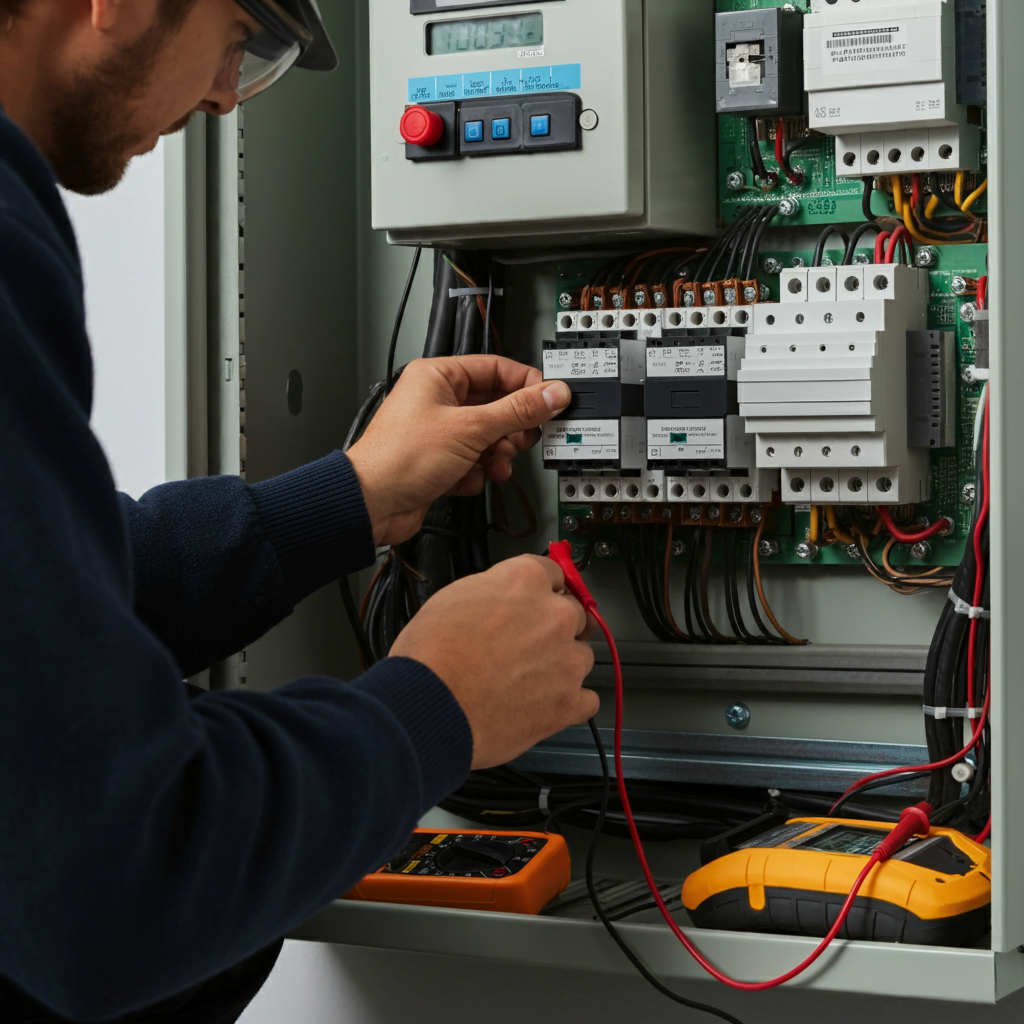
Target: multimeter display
column 465, row 856
column 845, row 839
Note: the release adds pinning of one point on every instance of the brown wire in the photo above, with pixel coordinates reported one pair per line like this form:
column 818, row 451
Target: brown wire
column 760, row 590
column 926, row 578
column 500, row 516
column 667, row 596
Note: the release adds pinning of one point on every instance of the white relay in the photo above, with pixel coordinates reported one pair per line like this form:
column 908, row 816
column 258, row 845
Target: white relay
column 686, row 361
column 569, row 363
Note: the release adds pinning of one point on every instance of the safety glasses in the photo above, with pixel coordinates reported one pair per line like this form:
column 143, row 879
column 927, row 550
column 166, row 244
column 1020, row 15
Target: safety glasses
column 285, row 39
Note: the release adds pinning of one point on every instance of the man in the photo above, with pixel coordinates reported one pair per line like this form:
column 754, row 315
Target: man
column 153, row 850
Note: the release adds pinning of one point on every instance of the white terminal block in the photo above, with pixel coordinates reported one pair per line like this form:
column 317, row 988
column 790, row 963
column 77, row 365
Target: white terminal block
column 880, row 76
column 823, row 384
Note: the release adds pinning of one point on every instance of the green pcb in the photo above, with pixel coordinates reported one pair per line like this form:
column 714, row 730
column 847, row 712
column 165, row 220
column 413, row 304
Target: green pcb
column 952, row 469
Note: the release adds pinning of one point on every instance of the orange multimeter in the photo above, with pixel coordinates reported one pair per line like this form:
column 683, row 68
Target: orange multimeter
column 512, row 872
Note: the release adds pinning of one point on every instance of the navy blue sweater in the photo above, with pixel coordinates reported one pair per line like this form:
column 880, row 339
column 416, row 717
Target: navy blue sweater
column 146, row 841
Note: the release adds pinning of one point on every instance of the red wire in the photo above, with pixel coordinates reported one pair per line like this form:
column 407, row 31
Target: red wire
column 900, row 232
column 880, row 245
column 979, row 575
column 780, row 158
column 915, row 189
column 902, row 536
column 982, row 291
column 620, row 782
column 984, row 833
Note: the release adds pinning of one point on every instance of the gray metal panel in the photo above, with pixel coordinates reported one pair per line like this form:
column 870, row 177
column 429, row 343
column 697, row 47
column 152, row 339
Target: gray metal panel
column 826, row 766
column 1005, row 151
column 922, row 972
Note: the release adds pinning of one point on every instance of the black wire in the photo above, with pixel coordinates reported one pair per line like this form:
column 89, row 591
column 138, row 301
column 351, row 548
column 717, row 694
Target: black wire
column 877, row 784
column 751, row 255
column 752, row 598
column 596, row 901
column 865, row 199
column 755, row 152
column 650, row 618
column 819, row 245
column 390, row 376
column 486, row 347
column 855, row 237
column 732, row 597
column 944, row 198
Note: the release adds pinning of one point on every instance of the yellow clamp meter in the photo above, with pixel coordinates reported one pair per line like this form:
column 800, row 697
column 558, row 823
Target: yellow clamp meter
column 794, row 878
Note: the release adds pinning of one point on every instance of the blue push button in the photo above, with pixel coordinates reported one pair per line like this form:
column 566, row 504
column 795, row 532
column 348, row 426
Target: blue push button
column 540, row 124
column 474, row 131
column 500, row 128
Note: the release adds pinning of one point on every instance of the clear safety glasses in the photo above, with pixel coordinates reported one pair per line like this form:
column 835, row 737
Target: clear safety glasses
column 266, row 56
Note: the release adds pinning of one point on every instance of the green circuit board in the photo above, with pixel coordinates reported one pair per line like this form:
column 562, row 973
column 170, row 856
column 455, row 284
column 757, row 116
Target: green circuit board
column 952, row 469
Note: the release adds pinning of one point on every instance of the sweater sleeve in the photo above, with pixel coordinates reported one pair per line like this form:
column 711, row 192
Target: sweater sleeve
column 217, row 562
column 150, row 842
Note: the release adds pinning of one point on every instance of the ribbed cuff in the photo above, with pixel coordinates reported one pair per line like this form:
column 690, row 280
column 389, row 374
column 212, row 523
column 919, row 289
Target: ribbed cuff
column 432, row 718
column 316, row 519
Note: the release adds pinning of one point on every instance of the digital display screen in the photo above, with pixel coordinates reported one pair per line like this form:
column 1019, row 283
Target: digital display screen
column 846, row 839
column 471, row 35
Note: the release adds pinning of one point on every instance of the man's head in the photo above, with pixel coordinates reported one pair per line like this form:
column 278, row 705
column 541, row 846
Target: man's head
column 96, row 82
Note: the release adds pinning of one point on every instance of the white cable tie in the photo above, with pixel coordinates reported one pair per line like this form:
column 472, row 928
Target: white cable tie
column 542, row 800
column 939, row 713
column 961, row 607
column 455, row 293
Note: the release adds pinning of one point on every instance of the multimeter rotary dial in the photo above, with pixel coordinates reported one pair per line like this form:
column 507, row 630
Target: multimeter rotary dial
column 466, row 856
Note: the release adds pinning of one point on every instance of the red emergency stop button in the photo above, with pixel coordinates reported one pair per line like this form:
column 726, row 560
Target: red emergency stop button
column 421, row 127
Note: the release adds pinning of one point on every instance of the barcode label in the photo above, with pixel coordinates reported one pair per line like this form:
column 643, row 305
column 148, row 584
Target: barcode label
column 874, row 47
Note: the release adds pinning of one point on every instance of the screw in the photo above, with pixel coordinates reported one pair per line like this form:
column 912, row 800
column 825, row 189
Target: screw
column 570, row 524
column 962, row 772
column 734, row 181
column 772, row 266
column 598, row 302
column 638, row 298
column 922, row 549
column 768, row 548
column 735, row 514
column 967, row 494
column 829, row 318
column 769, row 451
column 738, row 715
column 765, row 292
column 797, row 261
column 826, row 261
column 967, row 374
column 925, row 257
column 688, row 298
column 659, row 298
column 565, row 300
column 958, row 285
column 861, row 258
column 713, row 513
column 695, row 513
column 750, row 293
column 709, row 297
column 603, row 549
column 678, row 547
column 788, row 206
column 607, row 512
column 853, row 551
column 666, row 513
column 967, row 311
column 826, row 451
column 729, row 295
column 626, row 512
column 645, row 513
column 806, row 550
column 617, row 301
column 755, row 514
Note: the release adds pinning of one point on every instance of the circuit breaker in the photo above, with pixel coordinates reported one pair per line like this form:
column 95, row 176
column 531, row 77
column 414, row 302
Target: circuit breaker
column 572, row 119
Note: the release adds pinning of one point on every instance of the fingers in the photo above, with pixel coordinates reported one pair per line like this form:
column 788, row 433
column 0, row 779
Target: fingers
column 487, row 375
column 522, row 410
column 588, row 706
column 589, row 629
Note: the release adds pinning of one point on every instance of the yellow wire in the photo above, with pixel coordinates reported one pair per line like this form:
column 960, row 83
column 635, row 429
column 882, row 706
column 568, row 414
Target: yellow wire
column 812, row 530
column 908, row 220
column 958, row 189
column 841, row 535
column 930, row 208
column 973, row 197
column 897, row 194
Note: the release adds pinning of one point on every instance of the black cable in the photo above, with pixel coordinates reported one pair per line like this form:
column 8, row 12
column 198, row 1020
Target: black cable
column 486, row 347
column 855, row 237
column 596, row 901
column 732, row 597
column 755, row 154
column 752, row 597
column 441, row 321
column 390, row 375
column 819, row 245
column 651, row 620
column 944, row 197
column 865, row 199
column 877, row 784
column 751, row 255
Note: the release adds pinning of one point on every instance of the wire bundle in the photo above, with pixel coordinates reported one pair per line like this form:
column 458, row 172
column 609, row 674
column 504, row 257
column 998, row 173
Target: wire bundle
column 647, row 553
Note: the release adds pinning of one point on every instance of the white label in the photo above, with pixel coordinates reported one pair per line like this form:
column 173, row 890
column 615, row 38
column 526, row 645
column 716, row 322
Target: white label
column 686, row 361
column 869, row 46
column 537, row 51
column 581, row 439
column 686, row 439
column 567, row 363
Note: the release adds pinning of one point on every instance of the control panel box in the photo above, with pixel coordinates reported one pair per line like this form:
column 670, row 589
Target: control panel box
column 493, row 126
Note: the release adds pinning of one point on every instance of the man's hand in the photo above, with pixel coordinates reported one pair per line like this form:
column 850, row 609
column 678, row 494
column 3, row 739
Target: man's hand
column 448, row 427
column 510, row 645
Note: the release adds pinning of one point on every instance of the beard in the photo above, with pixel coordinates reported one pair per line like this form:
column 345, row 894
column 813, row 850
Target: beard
column 93, row 137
